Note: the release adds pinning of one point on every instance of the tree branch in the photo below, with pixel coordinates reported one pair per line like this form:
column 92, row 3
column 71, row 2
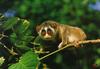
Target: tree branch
column 2, row 35
column 68, row 45
column 10, row 51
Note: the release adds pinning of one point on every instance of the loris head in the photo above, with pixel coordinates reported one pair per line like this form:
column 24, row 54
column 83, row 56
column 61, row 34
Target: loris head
column 47, row 30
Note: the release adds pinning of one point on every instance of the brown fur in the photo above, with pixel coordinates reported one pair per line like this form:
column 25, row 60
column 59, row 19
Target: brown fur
column 67, row 34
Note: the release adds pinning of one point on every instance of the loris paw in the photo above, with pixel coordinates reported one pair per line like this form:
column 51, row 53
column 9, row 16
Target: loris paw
column 76, row 44
column 60, row 45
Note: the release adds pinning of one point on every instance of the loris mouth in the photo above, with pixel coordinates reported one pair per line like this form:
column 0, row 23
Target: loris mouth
column 48, row 39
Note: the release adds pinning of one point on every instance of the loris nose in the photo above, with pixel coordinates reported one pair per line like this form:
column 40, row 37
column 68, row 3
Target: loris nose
column 47, row 36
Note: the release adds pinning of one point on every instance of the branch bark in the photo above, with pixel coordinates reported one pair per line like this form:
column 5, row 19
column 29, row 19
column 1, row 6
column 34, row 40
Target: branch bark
column 68, row 45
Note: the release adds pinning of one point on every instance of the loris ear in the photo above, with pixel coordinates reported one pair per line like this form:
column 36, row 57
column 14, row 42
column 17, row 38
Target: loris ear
column 38, row 27
column 54, row 25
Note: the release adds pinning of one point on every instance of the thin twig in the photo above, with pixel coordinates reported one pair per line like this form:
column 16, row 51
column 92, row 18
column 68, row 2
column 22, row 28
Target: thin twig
column 2, row 35
column 10, row 51
column 72, row 44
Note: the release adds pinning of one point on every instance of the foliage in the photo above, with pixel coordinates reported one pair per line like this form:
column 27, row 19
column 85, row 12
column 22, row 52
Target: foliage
column 1, row 60
column 29, row 60
column 18, row 33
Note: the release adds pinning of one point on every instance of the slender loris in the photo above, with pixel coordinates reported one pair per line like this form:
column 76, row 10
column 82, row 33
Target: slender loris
column 50, row 30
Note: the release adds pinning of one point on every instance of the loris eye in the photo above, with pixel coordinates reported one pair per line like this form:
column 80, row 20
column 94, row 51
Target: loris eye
column 49, row 31
column 43, row 32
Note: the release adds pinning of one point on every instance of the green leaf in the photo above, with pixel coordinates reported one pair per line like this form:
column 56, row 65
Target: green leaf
column 28, row 61
column 38, row 40
column 97, row 62
column 13, row 37
column 21, row 27
column 10, row 23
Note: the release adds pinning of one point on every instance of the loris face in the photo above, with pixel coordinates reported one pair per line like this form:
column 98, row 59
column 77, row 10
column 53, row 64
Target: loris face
column 47, row 30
